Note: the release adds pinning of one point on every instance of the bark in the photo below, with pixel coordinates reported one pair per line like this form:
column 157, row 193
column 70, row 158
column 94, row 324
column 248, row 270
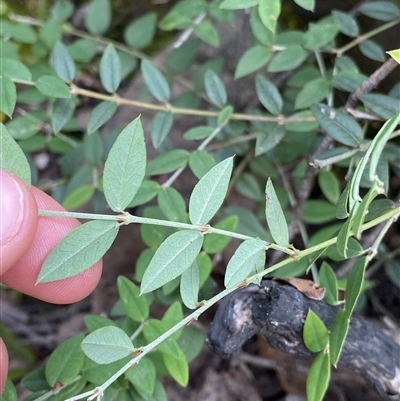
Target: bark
column 278, row 311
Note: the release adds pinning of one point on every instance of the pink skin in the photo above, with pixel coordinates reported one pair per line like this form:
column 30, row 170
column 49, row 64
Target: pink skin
column 25, row 242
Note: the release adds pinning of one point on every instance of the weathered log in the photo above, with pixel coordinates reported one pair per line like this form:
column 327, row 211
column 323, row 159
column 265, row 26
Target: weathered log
column 278, row 311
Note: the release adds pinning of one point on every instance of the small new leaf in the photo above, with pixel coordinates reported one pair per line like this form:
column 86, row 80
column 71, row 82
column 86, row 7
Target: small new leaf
column 315, row 334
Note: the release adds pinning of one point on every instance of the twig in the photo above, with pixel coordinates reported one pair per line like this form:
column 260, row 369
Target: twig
column 371, row 82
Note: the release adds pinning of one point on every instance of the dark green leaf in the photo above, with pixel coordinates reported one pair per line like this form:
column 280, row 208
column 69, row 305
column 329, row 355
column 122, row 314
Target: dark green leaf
column 100, row 115
column 178, row 367
column 306, row 4
column 8, row 95
column 65, row 361
column 93, row 147
column 381, row 105
column 252, row 60
column 380, row 10
column 136, row 306
column 315, row 334
column 318, row 211
column 110, row 69
column 199, row 132
column 23, row 127
column 330, row 186
column 78, row 250
column 9, row 392
column 328, row 280
column 180, row 59
column 172, row 258
column 339, row 330
column 167, row 162
column 155, row 81
column 63, row 110
column 207, row 33
column 372, row 50
column 269, row 11
column 107, row 345
column 14, row 69
column 125, row 167
column 172, row 204
column 154, row 329
column 214, row 243
column 146, row 192
column 237, row 4
column 260, row 32
column 98, row 16
column 275, row 218
column 78, row 197
column 141, row 31
column 314, row 91
column 52, row 86
column 320, row 34
column 143, row 376
column 63, row 62
column 340, row 126
column 209, row 193
column 12, row 158
column 268, row 95
column 392, row 270
column 347, row 23
column 160, row 127
column 318, row 378
column 249, row 187
column 215, row 89
column 287, row 59
column 201, row 162
column 354, row 284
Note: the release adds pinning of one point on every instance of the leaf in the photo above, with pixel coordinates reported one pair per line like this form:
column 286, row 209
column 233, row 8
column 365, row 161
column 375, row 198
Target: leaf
column 146, row 192
column 8, row 95
column 380, row 10
column 62, row 62
column 141, row 31
column 93, row 147
column 269, row 11
column 328, row 280
column 107, row 345
column 339, row 330
column 171, row 259
column 65, row 362
column 260, row 32
column 12, row 158
column 383, row 106
column 110, row 69
column 143, row 376
column 249, row 187
column 268, row 95
column 160, row 127
column 172, row 204
column 320, row 34
column 125, row 166
column 287, row 59
column 340, row 126
column 395, row 54
column 62, row 10
column 315, row 334
column 252, row 60
column 354, row 284
column 172, row 317
column 214, row 243
column 343, row 238
column 136, row 306
column 63, row 110
column 100, row 115
column 347, row 23
column 94, row 322
column 78, row 250
column 155, row 81
column 207, row 33
column 201, row 162
column 243, row 262
column 190, row 284
column 268, row 140
column 167, row 162
column 392, row 270
column 275, row 217
column 215, row 89
column 209, row 193
column 9, row 391
column 98, row 16
column 237, row 4
column 318, row 211
column 306, row 4
column 199, row 132
column 313, row 91
column 318, row 377
column 224, row 116
column 178, row 367
column 78, row 197
column 372, row 50
column 52, row 86
column 329, row 184
column 14, row 69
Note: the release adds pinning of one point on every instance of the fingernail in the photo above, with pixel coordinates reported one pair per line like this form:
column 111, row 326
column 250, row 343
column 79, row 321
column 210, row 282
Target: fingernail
column 11, row 203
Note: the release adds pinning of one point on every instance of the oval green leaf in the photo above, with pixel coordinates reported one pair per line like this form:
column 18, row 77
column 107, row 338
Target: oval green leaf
column 268, row 95
column 100, row 115
column 155, row 81
column 190, row 284
column 8, row 95
column 318, row 378
column 52, row 86
column 63, row 62
column 315, row 333
column 110, row 69
column 136, row 306
column 215, row 89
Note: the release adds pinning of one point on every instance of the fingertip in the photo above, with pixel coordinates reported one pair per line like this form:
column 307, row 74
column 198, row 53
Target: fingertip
column 18, row 219
column 3, row 365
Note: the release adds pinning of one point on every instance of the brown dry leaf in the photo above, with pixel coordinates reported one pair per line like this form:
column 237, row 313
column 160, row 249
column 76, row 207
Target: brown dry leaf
column 307, row 287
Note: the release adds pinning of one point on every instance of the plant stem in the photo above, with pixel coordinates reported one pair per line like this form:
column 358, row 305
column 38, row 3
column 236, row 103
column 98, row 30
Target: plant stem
column 365, row 36
column 98, row 391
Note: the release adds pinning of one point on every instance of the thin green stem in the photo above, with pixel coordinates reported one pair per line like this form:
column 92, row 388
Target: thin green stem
column 98, row 391
column 365, row 36
column 334, row 159
column 137, row 331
